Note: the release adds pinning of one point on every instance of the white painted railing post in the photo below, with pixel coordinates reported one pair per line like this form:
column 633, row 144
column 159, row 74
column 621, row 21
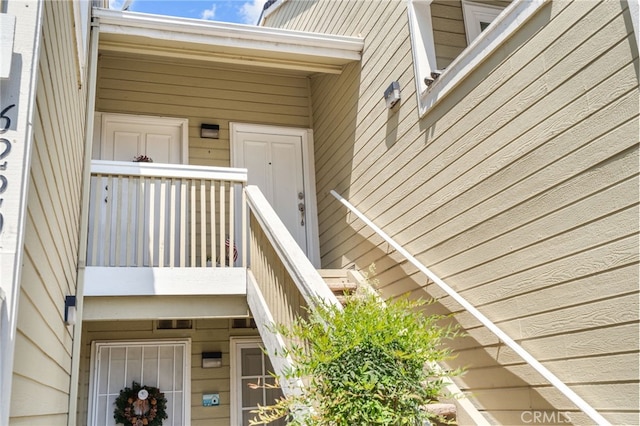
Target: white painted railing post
column 164, row 215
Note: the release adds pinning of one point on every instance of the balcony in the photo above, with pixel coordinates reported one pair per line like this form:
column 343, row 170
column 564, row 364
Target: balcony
column 168, row 231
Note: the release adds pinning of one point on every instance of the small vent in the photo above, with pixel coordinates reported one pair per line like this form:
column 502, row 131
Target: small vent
column 243, row 323
column 178, row 324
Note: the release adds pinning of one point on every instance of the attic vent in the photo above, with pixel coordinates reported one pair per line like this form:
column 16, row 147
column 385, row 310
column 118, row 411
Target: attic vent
column 177, row 324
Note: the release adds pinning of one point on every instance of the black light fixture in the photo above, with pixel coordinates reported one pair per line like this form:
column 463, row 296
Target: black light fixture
column 70, row 310
column 209, row 131
column 211, row 359
column 392, row 94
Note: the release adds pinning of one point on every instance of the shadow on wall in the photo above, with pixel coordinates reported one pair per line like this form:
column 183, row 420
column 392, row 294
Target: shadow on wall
column 496, row 379
column 335, row 108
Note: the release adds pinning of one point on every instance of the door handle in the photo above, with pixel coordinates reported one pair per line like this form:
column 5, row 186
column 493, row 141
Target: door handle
column 301, row 210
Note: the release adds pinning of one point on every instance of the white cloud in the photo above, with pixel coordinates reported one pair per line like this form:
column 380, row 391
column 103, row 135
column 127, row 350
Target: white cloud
column 209, row 14
column 250, row 11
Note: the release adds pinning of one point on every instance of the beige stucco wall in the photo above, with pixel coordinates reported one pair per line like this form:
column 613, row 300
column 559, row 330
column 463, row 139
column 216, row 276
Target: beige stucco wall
column 208, row 335
column 203, row 93
column 42, row 363
column 519, row 188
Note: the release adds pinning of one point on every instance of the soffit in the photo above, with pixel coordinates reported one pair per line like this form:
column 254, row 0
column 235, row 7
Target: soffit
column 192, row 39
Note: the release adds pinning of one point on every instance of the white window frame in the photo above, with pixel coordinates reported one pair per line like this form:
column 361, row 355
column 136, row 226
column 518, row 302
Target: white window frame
column 186, row 368
column 236, row 344
column 423, row 48
column 475, row 14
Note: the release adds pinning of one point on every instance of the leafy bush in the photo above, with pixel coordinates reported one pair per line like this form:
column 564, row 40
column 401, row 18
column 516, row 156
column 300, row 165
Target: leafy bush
column 366, row 364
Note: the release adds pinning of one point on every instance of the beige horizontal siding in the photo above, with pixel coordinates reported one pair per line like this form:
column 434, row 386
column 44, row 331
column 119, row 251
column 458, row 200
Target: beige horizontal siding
column 202, row 94
column 43, row 343
column 211, row 335
column 520, row 188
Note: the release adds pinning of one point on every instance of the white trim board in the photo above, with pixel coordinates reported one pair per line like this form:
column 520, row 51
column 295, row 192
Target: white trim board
column 134, row 281
column 17, row 137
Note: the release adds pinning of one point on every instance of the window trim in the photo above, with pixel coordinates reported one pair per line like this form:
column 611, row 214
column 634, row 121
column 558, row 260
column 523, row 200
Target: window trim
column 501, row 29
column 236, row 344
column 475, row 14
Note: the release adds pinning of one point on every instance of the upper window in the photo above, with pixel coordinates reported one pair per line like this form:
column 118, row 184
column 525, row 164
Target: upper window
column 487, row 28
column 477, row 17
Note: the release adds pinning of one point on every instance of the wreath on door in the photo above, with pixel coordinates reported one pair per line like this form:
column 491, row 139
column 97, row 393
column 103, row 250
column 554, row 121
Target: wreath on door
column 140, row 406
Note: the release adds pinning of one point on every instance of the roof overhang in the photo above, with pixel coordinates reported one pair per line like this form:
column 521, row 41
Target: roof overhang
column 182, row 38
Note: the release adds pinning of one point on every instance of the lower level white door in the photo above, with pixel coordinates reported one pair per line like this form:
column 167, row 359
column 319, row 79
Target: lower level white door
column 250, row 366
column 161, row 364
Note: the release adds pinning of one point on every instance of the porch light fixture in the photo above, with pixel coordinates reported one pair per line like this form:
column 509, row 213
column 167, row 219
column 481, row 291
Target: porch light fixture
column 392, row 94
column 70, row 310
column 209, row 131
column 211, row 359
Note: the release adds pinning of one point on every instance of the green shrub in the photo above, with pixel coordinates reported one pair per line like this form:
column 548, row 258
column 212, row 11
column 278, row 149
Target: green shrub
column 366, row 364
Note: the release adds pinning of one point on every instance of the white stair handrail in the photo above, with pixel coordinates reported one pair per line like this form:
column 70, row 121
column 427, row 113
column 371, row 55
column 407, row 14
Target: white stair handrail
column 526, row 356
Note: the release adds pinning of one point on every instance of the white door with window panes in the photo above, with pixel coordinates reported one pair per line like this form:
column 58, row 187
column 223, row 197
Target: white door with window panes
column 161, row 364
column 250, row 366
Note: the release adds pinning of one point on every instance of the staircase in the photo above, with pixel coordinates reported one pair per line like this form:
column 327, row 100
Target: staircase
column 343, row 282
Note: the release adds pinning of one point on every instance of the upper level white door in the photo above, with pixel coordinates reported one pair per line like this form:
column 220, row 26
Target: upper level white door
column 279, row 161
column 124, row 137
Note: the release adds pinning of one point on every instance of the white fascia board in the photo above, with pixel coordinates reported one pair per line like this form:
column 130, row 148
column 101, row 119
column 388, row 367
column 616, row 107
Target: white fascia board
column 229, row 35
column 104, row 281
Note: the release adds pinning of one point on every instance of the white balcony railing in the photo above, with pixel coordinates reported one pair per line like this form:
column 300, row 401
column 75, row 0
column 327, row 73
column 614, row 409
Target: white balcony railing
column 165, row 215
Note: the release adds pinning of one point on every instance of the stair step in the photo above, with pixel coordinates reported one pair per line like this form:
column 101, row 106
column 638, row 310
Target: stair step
column 341, row 281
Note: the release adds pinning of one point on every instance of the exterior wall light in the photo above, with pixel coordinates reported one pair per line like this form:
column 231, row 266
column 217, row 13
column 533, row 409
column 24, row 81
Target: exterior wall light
column 70, row 310
column 392, row 94
column 209, row 131
column 211, row 359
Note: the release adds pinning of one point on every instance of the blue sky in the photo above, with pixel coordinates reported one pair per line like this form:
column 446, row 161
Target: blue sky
column 238, row 11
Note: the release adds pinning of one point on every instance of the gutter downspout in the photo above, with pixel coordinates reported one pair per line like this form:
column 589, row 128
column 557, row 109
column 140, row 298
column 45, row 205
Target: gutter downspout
column 84, row 222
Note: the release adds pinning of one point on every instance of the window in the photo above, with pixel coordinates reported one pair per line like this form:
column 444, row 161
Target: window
column 477, row 17
column 174, row 324
column 250, row 365
column 490, row 35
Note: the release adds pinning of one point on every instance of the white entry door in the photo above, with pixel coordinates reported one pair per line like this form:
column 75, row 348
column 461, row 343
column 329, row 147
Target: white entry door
column 124, row 137
column 279, row 161
column 161, row 364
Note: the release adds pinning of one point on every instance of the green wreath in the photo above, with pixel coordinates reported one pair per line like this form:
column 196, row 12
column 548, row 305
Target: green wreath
column 140, row 406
